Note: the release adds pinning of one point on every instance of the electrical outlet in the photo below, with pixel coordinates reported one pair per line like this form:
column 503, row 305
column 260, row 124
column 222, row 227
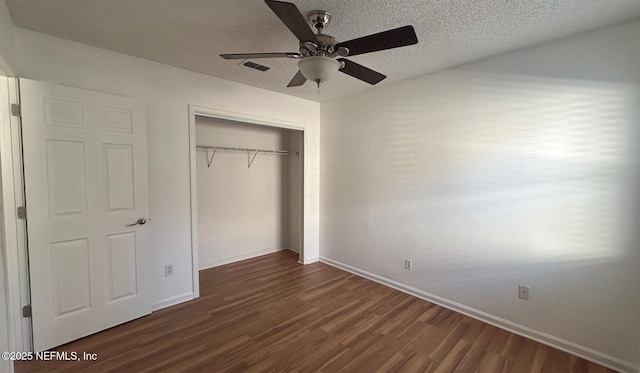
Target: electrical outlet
column 168, row 270
column 523, row 292
column 408, row 264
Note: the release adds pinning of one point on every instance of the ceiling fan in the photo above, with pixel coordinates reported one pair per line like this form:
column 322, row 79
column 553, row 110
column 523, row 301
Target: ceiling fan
column 317, row 53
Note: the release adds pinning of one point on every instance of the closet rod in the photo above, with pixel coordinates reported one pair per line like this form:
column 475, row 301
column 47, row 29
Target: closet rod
column 250, row 160
column 281, row 152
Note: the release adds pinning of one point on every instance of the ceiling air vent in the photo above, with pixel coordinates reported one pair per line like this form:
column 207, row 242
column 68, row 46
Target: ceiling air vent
column 254, row 65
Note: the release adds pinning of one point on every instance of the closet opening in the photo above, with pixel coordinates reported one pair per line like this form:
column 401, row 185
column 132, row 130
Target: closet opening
column 247, row 191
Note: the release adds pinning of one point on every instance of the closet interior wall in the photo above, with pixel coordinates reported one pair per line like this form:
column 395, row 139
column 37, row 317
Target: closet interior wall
column 244, row 211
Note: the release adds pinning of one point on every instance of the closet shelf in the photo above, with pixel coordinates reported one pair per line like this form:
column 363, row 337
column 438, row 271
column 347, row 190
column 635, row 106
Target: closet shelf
column 243, row 150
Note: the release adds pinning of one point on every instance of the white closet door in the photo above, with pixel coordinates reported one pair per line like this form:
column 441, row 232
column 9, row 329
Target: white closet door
column 85, row 159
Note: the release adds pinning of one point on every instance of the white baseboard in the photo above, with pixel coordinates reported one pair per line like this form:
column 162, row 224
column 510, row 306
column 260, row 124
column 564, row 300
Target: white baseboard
column 293, row 249
column 311, row 260
column 172, row 301
column 544, row 338
column 237, row 258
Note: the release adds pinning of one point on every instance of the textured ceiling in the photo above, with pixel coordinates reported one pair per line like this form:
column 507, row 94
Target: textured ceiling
column 192, row 33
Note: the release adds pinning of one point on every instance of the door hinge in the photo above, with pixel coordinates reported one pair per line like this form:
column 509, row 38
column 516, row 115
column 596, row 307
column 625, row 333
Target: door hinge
column 26, row 311
column 15, row 110
column 22, row 212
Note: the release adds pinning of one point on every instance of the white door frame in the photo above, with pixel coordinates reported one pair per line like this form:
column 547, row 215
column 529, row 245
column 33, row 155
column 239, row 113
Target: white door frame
column 236, row 117
column 15, row 230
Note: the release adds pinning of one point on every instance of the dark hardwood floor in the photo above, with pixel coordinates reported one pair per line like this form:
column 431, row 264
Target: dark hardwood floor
column 272, row 314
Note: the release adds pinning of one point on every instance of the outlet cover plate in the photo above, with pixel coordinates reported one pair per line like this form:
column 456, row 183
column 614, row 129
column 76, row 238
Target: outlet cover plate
column 408, row 264
column 168, row 270
column 523, row 292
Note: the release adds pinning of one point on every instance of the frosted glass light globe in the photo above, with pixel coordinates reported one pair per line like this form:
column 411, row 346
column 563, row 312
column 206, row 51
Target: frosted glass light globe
column 318, row 68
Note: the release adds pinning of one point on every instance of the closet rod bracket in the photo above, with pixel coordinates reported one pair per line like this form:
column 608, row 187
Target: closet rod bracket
column 210, row 160
column 254, row 157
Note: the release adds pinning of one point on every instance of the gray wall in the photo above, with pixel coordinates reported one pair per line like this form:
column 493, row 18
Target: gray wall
column 518, row 169
column 7, row 42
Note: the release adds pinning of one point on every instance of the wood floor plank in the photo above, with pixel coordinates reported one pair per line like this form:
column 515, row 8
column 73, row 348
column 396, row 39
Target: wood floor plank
column 492, row 362
column 417, row 363
column 454, row 357
column 470, row 362
column 270, row 314
column 449, row 342
column 475, row 329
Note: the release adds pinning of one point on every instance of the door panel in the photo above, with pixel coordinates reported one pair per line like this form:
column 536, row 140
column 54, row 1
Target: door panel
column 63, row 113
column 70, row 275
column 122, row 267
column 118, row 177
column 66, row 177
column 85, row 159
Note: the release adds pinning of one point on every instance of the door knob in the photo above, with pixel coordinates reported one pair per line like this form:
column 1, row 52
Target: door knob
column 141, row 221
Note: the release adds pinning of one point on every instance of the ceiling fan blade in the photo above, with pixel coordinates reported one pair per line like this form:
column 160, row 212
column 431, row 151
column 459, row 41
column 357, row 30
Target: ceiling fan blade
column 242, row 56
column 297, row 80
column 360, row 72
column 399, row 37
column 293, row 19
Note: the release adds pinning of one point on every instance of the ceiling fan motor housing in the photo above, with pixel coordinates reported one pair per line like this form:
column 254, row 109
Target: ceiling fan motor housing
column 325, row 47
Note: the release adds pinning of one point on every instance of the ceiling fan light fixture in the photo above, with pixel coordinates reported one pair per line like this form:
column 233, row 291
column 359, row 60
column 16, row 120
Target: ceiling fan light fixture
column 317, row 52
column 319, row 68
